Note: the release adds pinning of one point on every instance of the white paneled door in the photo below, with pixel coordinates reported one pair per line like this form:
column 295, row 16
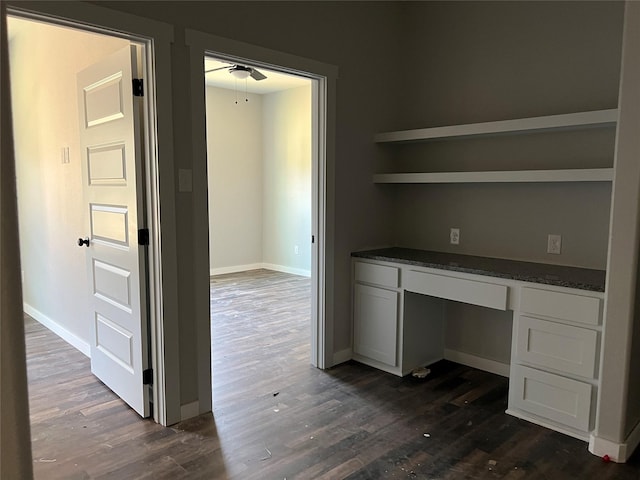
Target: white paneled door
column 111, row 160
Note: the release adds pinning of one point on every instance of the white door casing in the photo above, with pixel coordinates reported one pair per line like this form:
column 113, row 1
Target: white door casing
column 112, row 191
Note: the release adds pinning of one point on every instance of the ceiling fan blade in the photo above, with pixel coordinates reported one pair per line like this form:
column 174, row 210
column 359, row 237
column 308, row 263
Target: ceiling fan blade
column 215, row 69
column 256, row 75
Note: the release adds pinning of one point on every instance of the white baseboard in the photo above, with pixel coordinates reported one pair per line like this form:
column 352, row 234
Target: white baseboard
column 480, row 363
column 342, row 356
column 58, row 329
column 282, row 268
column 234, row 269
column 255, row 266
column 189, row 410
column 618, row 452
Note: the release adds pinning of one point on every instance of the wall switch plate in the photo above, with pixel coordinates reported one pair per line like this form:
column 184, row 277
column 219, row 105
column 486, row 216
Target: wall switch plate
column 64, row 155
column 454, row 236
column 554, row 244
column 296, row 250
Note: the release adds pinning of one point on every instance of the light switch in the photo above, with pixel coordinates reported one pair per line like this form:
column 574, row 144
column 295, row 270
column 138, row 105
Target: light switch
column 185, row 180
column 64, row 155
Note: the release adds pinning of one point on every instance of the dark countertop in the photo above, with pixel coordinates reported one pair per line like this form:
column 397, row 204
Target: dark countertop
column 559, row 275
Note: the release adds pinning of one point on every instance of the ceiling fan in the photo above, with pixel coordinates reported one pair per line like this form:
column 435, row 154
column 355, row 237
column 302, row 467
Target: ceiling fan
column 241, row 72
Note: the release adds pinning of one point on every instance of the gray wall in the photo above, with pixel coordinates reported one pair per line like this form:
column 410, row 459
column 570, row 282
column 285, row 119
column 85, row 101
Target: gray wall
column 259, row 173
column 287, row 179
column 234, row 158
column 364, row 41
column 478, row 331
column 410, row 65
column 498, row 60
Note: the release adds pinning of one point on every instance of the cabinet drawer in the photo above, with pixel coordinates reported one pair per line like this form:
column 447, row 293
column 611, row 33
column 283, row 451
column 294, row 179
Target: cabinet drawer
column 564, row 306
column 377, row 274
column 458, row 289
column 551, row 396
column 553, row 345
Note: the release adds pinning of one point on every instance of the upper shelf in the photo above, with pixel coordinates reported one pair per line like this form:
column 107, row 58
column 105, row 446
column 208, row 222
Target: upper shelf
column 569, row 121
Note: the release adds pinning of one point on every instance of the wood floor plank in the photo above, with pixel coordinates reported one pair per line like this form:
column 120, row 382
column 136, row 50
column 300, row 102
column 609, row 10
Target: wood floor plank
column 276, row 417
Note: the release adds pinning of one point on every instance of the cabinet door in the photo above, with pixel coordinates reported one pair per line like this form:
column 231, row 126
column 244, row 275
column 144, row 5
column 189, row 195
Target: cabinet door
column 376, row 323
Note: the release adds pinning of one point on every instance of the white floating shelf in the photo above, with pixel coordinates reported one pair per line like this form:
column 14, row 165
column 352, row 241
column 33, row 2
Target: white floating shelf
column 569, row 121
column 521, row 176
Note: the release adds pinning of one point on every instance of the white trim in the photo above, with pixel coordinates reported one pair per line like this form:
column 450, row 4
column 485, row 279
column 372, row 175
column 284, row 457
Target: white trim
column 200, row 44
column 93, row 18
column 618, row 452
column 235, row 269
column 163, row 288
column 256, row 266
column 71, row 338
column 189, row 410
column 282, row 268
column 227, row 48
column 342, row 356
column 480, row 363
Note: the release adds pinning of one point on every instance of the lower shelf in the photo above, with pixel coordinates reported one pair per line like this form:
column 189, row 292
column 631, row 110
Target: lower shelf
column 517, row 176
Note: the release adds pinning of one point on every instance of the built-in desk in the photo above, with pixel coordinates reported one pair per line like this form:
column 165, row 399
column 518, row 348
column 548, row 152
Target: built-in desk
column 399, row 324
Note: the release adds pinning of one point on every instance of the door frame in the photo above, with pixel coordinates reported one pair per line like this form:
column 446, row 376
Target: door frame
column 324, row 78
column 156, row 39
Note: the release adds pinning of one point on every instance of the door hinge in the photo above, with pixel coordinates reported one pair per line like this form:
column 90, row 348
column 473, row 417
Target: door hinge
column 143, row 236
column 313, row 239
column 138, row 87
column 147, row 376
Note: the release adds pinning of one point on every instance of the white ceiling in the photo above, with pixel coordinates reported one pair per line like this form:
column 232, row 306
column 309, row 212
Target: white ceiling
column 274, row 82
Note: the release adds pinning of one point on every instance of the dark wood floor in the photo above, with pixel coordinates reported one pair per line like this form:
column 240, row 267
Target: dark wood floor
column 276, row 417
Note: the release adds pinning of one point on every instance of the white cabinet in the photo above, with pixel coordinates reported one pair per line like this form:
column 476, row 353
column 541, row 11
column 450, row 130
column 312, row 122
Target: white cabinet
column 556, row 343
column 375, row 323
column 389, row 333
column 399, row 320
column 376, row 314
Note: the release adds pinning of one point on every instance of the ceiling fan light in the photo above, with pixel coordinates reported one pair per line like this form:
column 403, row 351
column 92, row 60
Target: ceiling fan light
column 240, row 72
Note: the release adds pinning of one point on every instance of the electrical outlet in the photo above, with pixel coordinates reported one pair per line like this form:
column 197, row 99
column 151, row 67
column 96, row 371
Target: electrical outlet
column 454, row 236
column 296, row 250
column 554, row 244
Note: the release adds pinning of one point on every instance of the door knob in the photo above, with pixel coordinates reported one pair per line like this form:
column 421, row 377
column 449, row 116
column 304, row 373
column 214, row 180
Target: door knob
column 83, row 241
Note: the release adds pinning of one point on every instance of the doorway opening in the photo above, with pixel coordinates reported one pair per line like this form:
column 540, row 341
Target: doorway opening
column 51, row 163
column 261, row 168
